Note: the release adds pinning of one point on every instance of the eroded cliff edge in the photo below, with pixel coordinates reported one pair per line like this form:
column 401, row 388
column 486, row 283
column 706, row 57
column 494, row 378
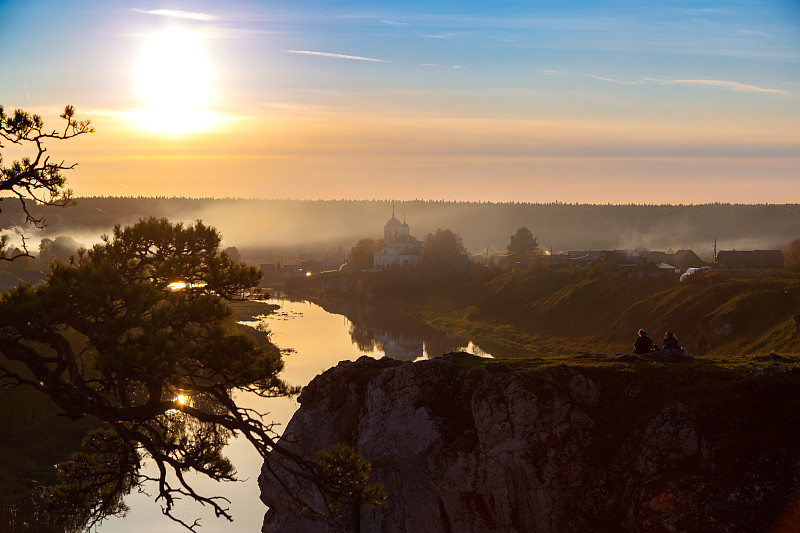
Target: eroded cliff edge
column 462, row 444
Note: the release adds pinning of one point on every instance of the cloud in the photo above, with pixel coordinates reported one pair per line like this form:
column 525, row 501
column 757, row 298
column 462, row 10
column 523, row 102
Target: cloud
column 721, row 84
column 393, row 23
column 436, row 65
column 176, row 13
column 337, row 56
column 718, row 84
column 437, row 36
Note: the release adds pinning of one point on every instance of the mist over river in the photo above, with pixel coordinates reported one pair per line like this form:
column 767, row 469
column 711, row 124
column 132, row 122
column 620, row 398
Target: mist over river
column 314, row 338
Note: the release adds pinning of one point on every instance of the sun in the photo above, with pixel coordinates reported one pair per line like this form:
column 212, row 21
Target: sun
column 174, row 82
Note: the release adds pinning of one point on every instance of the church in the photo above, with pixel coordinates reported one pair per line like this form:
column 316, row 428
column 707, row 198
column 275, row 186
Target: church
column 400, row 249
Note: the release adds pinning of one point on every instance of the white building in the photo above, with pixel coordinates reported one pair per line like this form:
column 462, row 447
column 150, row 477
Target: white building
column 400, row 249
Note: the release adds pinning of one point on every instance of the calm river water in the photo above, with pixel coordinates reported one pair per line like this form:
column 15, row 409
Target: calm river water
column 320, row 336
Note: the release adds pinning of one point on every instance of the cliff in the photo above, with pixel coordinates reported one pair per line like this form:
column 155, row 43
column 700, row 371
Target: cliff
column 462, row 444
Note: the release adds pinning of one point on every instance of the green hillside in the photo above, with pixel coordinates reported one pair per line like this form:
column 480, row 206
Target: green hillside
column 552, row 312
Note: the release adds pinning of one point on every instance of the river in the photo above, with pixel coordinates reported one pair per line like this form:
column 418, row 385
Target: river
column 317, row 336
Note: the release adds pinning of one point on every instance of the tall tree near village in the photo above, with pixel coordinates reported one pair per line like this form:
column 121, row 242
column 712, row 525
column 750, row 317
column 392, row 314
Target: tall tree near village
column 135, row 333
column 522, row 246
column 362, row 255
column 444, row 249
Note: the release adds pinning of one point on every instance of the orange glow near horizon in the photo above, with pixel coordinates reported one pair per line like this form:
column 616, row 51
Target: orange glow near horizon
column 284, row 100
column 338, row 155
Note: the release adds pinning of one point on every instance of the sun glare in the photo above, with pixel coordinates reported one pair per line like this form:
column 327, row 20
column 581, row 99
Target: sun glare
column 174, row 80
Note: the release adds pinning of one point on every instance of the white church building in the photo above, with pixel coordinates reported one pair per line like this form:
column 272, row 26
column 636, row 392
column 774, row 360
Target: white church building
column 400, row 248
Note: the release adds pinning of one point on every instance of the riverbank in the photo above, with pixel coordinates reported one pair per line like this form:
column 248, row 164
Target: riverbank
column 571, row 313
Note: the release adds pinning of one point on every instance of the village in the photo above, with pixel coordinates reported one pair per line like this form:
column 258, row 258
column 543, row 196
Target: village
column 400, row 249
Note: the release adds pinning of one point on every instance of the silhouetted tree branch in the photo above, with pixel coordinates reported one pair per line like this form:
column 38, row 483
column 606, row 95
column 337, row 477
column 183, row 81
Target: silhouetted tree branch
column 136, row 333
column 35, row 178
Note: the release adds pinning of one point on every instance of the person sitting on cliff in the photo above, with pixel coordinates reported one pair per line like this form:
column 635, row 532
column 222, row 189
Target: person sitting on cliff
column 671, row 342
column 643, row 344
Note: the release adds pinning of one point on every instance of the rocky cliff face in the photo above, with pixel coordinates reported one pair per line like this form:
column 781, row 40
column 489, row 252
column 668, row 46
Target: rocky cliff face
column 461, row 446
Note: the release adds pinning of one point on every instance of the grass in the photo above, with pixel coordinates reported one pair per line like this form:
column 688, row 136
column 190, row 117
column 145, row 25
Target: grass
column 701, row 382
column 570, row 313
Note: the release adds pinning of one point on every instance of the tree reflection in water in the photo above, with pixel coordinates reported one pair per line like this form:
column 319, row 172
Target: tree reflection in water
column 377, row 329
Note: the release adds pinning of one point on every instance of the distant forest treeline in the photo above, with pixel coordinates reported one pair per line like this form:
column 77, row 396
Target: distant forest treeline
column 312, row 224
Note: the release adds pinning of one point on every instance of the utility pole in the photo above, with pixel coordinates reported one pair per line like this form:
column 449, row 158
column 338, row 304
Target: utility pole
column 715, row 253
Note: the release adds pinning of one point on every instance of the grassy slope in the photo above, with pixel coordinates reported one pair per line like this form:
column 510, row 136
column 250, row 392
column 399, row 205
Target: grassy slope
column 570, row 312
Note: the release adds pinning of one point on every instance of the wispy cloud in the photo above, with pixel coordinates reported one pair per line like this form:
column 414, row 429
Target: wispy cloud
column 753, row 32
column 592, row 76
column 703, row 11
column 176, row 13
column 436, row 65
column 721, row 84
column 394, row 23
column 437, row 37
column 718, row 84
column 337, row 56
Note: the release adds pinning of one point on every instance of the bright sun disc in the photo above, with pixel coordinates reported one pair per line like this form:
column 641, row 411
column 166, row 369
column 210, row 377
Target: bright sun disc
column 174, row 81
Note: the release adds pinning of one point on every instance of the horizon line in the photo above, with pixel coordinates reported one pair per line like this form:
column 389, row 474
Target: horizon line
column 416, row 200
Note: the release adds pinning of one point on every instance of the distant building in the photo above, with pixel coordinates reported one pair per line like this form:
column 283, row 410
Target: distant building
column 400, row 248
column 582, row 258
column 750, row 259
column 684, row 259
column 267, row 267
column 314, row 267
column 557, row 261
column 289, row 268
column 630, row 263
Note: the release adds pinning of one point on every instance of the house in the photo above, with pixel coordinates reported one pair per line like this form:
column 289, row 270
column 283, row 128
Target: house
column 400, row 248
column 583, row 259
column 558, row 262
column 750, row 259
column 639, row 264
column 311, row 266
column 684, row 259
column 632, row 257
column 630, row 263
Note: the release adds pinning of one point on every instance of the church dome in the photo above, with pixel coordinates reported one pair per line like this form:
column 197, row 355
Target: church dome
column 393, row 221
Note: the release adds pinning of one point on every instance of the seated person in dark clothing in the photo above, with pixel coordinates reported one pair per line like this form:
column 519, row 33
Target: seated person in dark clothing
column 670, row 342
column 643, row 344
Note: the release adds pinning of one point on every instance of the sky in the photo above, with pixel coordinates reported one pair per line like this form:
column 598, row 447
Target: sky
column 529, row 101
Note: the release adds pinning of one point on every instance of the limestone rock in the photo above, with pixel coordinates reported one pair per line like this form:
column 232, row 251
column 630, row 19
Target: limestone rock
column 467, row 448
